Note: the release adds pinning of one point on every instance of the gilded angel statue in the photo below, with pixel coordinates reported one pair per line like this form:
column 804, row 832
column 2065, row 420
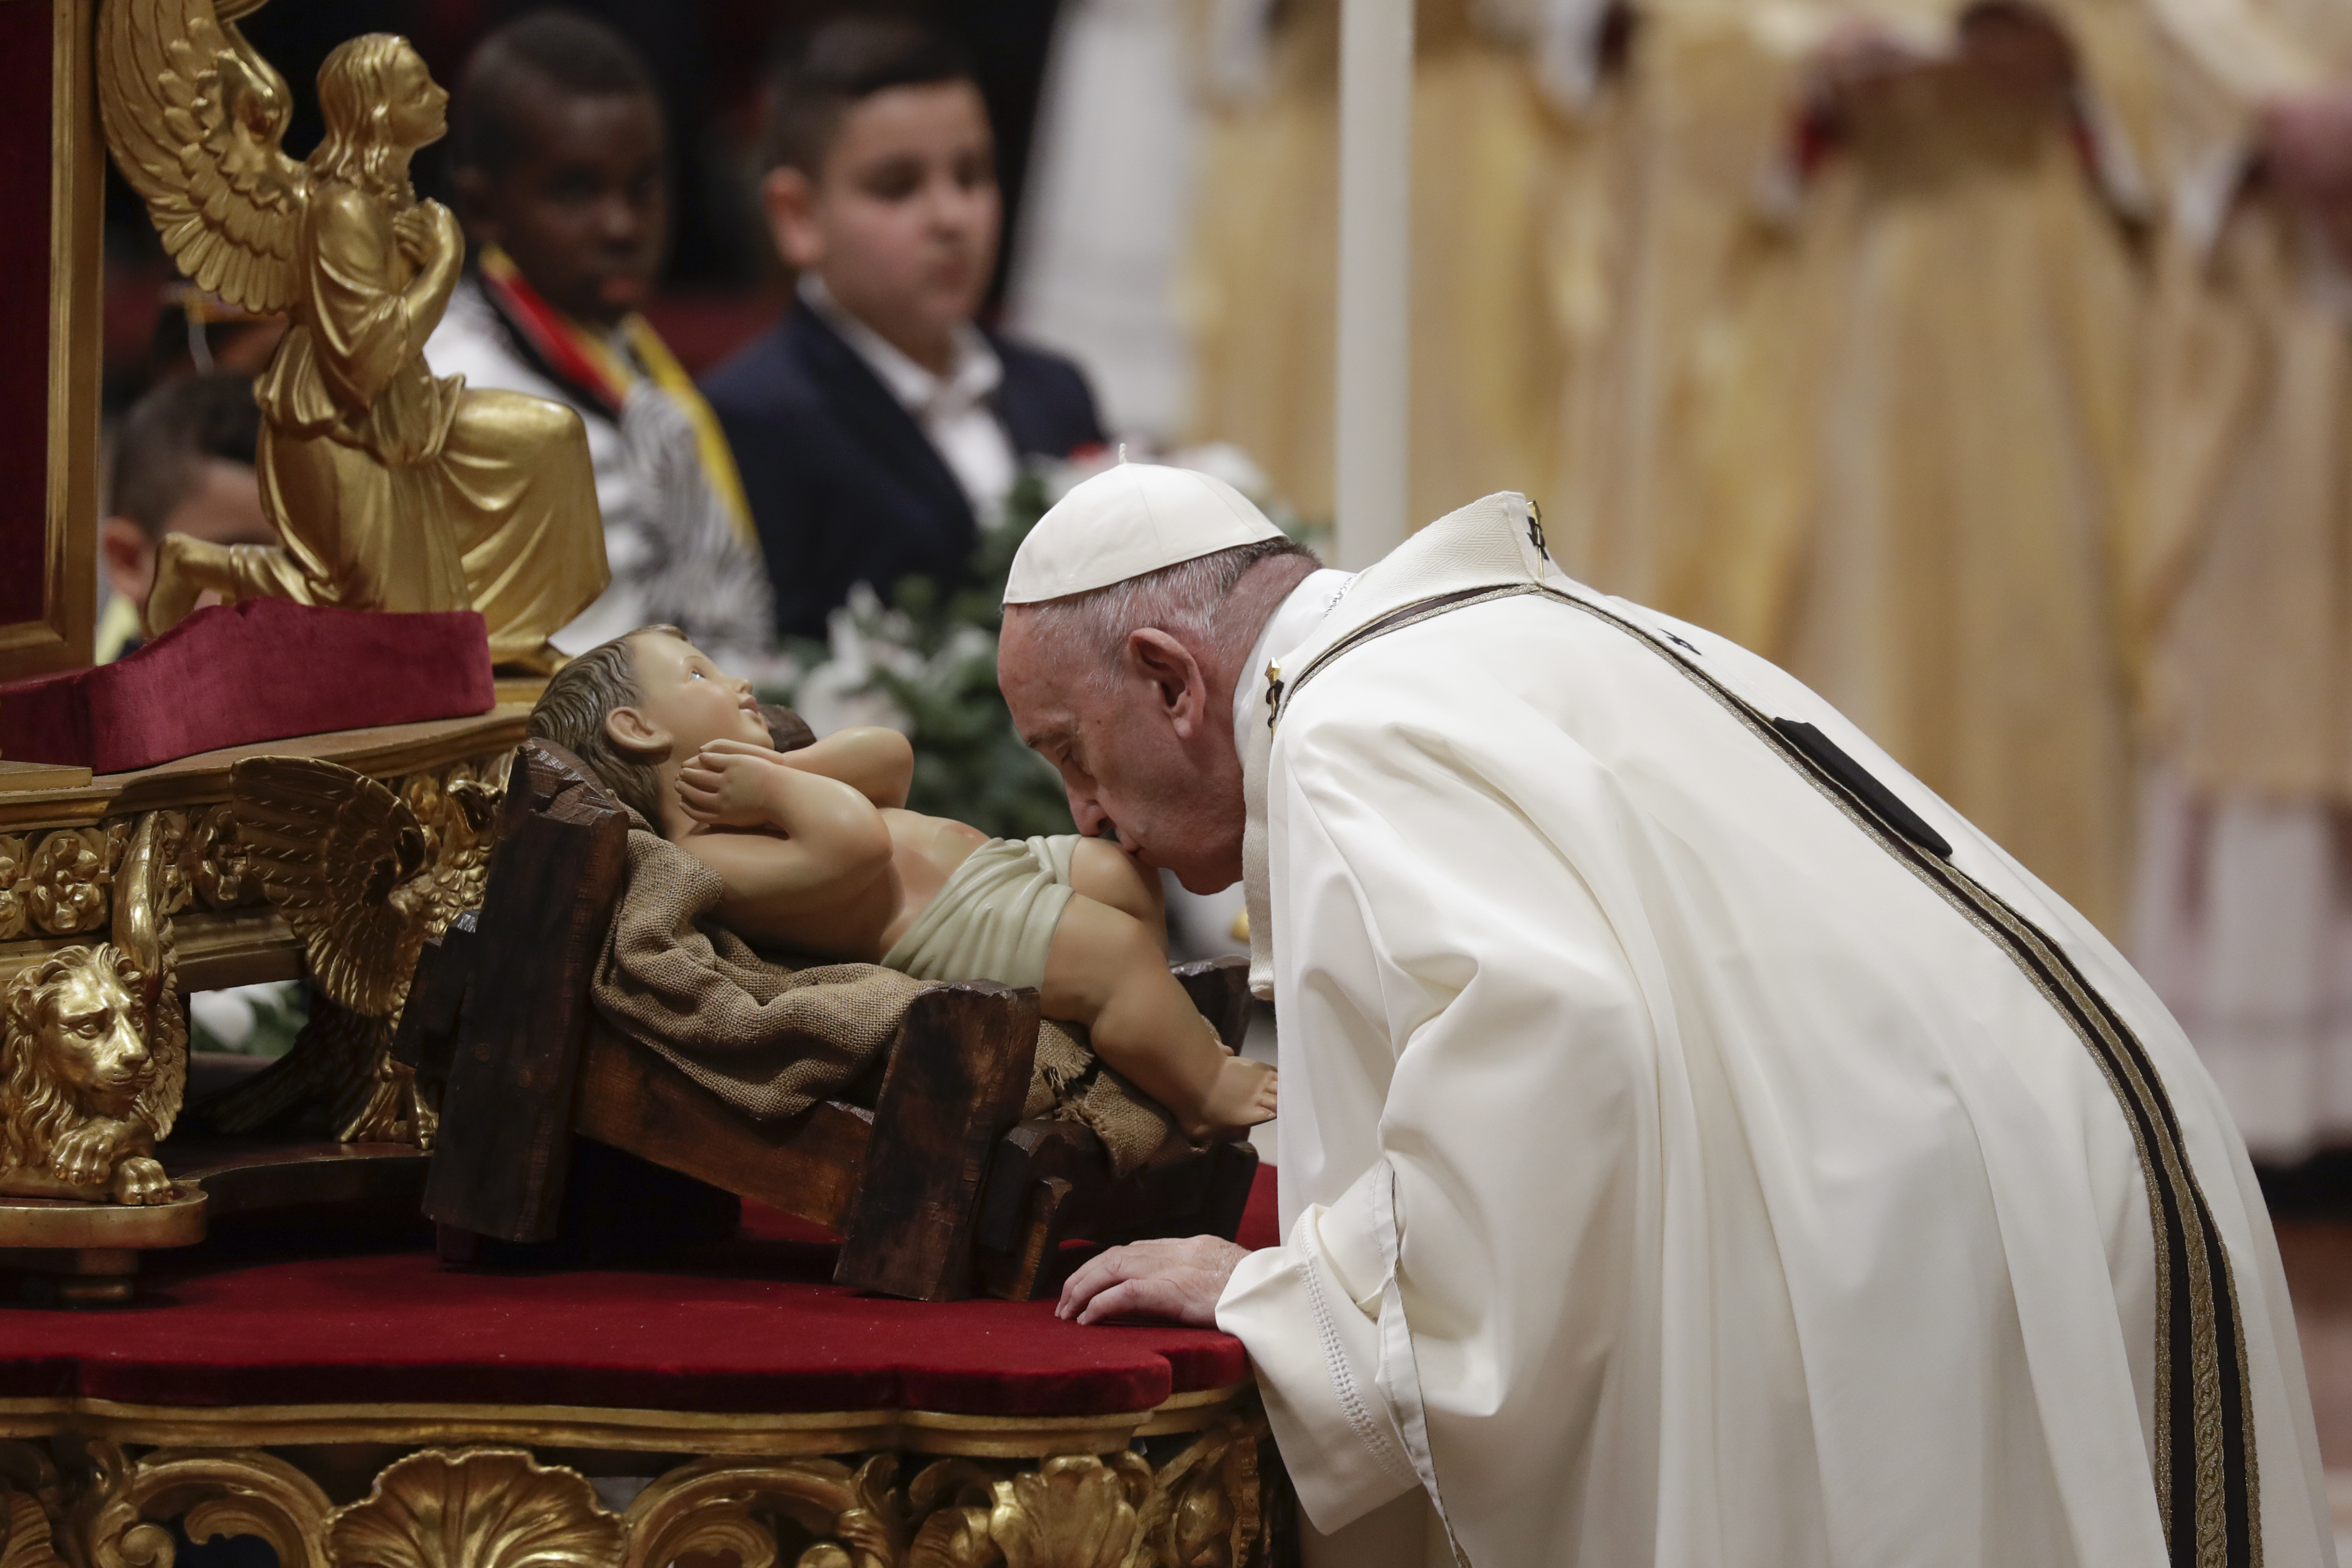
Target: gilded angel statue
column 391, row 489
column 363, row 883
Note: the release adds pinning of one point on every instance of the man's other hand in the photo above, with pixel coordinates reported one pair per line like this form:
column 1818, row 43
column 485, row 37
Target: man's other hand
column 1180, row 1279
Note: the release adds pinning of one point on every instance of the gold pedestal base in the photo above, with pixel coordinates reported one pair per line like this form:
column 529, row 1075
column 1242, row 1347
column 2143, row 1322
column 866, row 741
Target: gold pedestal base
column 87, row 1254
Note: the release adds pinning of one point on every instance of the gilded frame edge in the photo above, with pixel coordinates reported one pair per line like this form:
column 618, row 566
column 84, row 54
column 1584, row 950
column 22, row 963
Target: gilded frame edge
column 61, row 638
column 618, row 1431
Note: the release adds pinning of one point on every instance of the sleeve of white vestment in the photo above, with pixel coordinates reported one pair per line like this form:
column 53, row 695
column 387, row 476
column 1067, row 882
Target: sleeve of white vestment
column 1433, row 946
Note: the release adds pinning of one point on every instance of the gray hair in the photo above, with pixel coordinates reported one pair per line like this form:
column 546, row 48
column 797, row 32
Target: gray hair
column 1182, row 600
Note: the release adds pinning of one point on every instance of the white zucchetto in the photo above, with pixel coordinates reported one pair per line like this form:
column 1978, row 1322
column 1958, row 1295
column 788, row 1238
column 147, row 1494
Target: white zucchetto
column 1126, row 521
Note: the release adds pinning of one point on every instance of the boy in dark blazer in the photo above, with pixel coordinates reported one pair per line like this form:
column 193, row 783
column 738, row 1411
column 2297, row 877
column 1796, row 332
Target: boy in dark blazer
column 875, row 426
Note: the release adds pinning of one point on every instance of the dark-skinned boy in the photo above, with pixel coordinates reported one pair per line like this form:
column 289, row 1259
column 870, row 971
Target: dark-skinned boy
column 558, row 158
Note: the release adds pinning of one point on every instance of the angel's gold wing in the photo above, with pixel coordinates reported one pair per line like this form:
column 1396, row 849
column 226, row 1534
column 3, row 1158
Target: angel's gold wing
column 196, row 117
column 335, row 852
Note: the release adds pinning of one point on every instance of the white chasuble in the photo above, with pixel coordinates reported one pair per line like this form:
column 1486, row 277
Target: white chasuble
column 1700, row 1146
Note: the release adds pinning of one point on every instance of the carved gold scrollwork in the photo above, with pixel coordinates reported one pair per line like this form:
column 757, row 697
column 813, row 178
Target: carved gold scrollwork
column 720, row 1508
column 65, row 882
column 500, row 1508
column 28, row 1499
column 212, row 862
column 15, row 862
column 215, row 1492
column 953, row 1498
column 1074, row 1511
column 476, row 1508
column 1203, row 1510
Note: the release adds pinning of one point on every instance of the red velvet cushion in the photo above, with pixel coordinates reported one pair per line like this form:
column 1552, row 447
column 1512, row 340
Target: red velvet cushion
column 261, row 670
column 753, row 1326
column 1261, row 1223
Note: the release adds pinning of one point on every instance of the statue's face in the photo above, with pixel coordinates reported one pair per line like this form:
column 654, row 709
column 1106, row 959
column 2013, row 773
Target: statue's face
column 92, row 1040
column 417, row 112
column 689, row 699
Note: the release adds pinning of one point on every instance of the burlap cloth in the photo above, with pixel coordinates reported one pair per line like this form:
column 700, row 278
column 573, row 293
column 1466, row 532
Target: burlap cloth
column 771, row 1037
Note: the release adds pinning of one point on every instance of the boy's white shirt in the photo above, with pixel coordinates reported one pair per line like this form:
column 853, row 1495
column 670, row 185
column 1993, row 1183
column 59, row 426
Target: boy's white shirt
column 953, row 410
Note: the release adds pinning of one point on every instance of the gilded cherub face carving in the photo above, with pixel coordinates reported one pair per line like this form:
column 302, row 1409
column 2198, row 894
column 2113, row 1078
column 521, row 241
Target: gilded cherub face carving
column 683, row 703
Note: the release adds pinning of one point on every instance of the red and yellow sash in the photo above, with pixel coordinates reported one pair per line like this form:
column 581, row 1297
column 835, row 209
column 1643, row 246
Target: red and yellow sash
column 586, row 363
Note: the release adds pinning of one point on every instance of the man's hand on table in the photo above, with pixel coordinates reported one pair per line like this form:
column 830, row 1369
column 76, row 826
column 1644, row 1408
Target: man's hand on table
column 1176, row 1279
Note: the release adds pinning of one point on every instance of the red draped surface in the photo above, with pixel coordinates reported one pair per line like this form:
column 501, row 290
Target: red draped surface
column 263, row 670
column 750, row 1327
column 24, row 132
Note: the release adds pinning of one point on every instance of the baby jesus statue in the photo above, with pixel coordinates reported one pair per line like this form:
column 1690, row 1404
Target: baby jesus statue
column 819, row 856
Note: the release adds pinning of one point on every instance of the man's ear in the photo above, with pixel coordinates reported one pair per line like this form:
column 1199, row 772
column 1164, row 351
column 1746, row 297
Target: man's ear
column 471, row 186
column 789, row 198
column 636, row 735
column 128, row 556
column 1181, row 684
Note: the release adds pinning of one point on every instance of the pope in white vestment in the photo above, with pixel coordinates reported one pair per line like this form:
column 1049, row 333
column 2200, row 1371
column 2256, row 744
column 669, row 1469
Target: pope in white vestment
column 1699, row 1146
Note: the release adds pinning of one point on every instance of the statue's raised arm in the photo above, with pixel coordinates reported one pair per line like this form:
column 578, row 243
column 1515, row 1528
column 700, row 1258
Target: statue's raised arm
column 391, row 489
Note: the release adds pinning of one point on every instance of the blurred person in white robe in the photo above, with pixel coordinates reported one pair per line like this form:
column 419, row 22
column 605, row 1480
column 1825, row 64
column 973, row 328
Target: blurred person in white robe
column 1854, row 382
column 1700, row 1146
column 1109, row 201
column 2241, row 584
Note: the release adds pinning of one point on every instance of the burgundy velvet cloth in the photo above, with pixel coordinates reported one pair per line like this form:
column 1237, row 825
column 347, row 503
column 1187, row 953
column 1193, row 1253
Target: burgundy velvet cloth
column 25, row 138
column 752, row 1327
column 261, row 670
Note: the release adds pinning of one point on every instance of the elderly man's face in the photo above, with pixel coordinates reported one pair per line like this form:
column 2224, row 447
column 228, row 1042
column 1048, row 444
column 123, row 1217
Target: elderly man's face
column 1150, row 754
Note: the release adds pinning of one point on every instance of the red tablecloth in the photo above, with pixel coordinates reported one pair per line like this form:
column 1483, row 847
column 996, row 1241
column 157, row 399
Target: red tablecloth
column 753, row 1326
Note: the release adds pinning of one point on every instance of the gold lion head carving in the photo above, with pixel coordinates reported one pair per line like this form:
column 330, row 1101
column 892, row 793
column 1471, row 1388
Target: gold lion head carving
column 81, row 1088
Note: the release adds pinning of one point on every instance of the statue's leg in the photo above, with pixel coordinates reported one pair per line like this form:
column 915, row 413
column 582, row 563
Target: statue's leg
column 522, row 496
column 357, row 533
column 187, row 568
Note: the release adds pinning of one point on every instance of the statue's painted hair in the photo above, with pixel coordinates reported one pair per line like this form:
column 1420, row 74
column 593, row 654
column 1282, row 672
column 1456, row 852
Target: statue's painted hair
column 572, row 709
column 36, row 1104
column 355, row 101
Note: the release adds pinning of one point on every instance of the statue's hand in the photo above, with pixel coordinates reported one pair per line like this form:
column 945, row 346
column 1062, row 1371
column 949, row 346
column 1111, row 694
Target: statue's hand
column 728, row 784
column 418, row 232
column 140, row 1180
column 84, row 1154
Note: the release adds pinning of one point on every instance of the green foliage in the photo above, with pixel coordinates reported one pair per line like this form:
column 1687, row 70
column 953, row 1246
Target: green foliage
column 280, row 1011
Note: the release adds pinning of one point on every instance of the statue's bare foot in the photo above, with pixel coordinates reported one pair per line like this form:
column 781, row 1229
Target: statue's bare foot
column 1243, row 1096
column 175, row 592
column 140, row 1180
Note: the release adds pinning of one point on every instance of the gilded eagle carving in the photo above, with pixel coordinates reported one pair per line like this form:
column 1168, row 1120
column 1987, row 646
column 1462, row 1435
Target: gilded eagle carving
column 362, row 882
column 348, row 864
column 391, row 489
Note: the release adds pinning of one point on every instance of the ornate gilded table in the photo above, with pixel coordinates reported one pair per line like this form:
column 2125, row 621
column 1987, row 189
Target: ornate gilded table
column 375, row 1408
column 68, row 842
